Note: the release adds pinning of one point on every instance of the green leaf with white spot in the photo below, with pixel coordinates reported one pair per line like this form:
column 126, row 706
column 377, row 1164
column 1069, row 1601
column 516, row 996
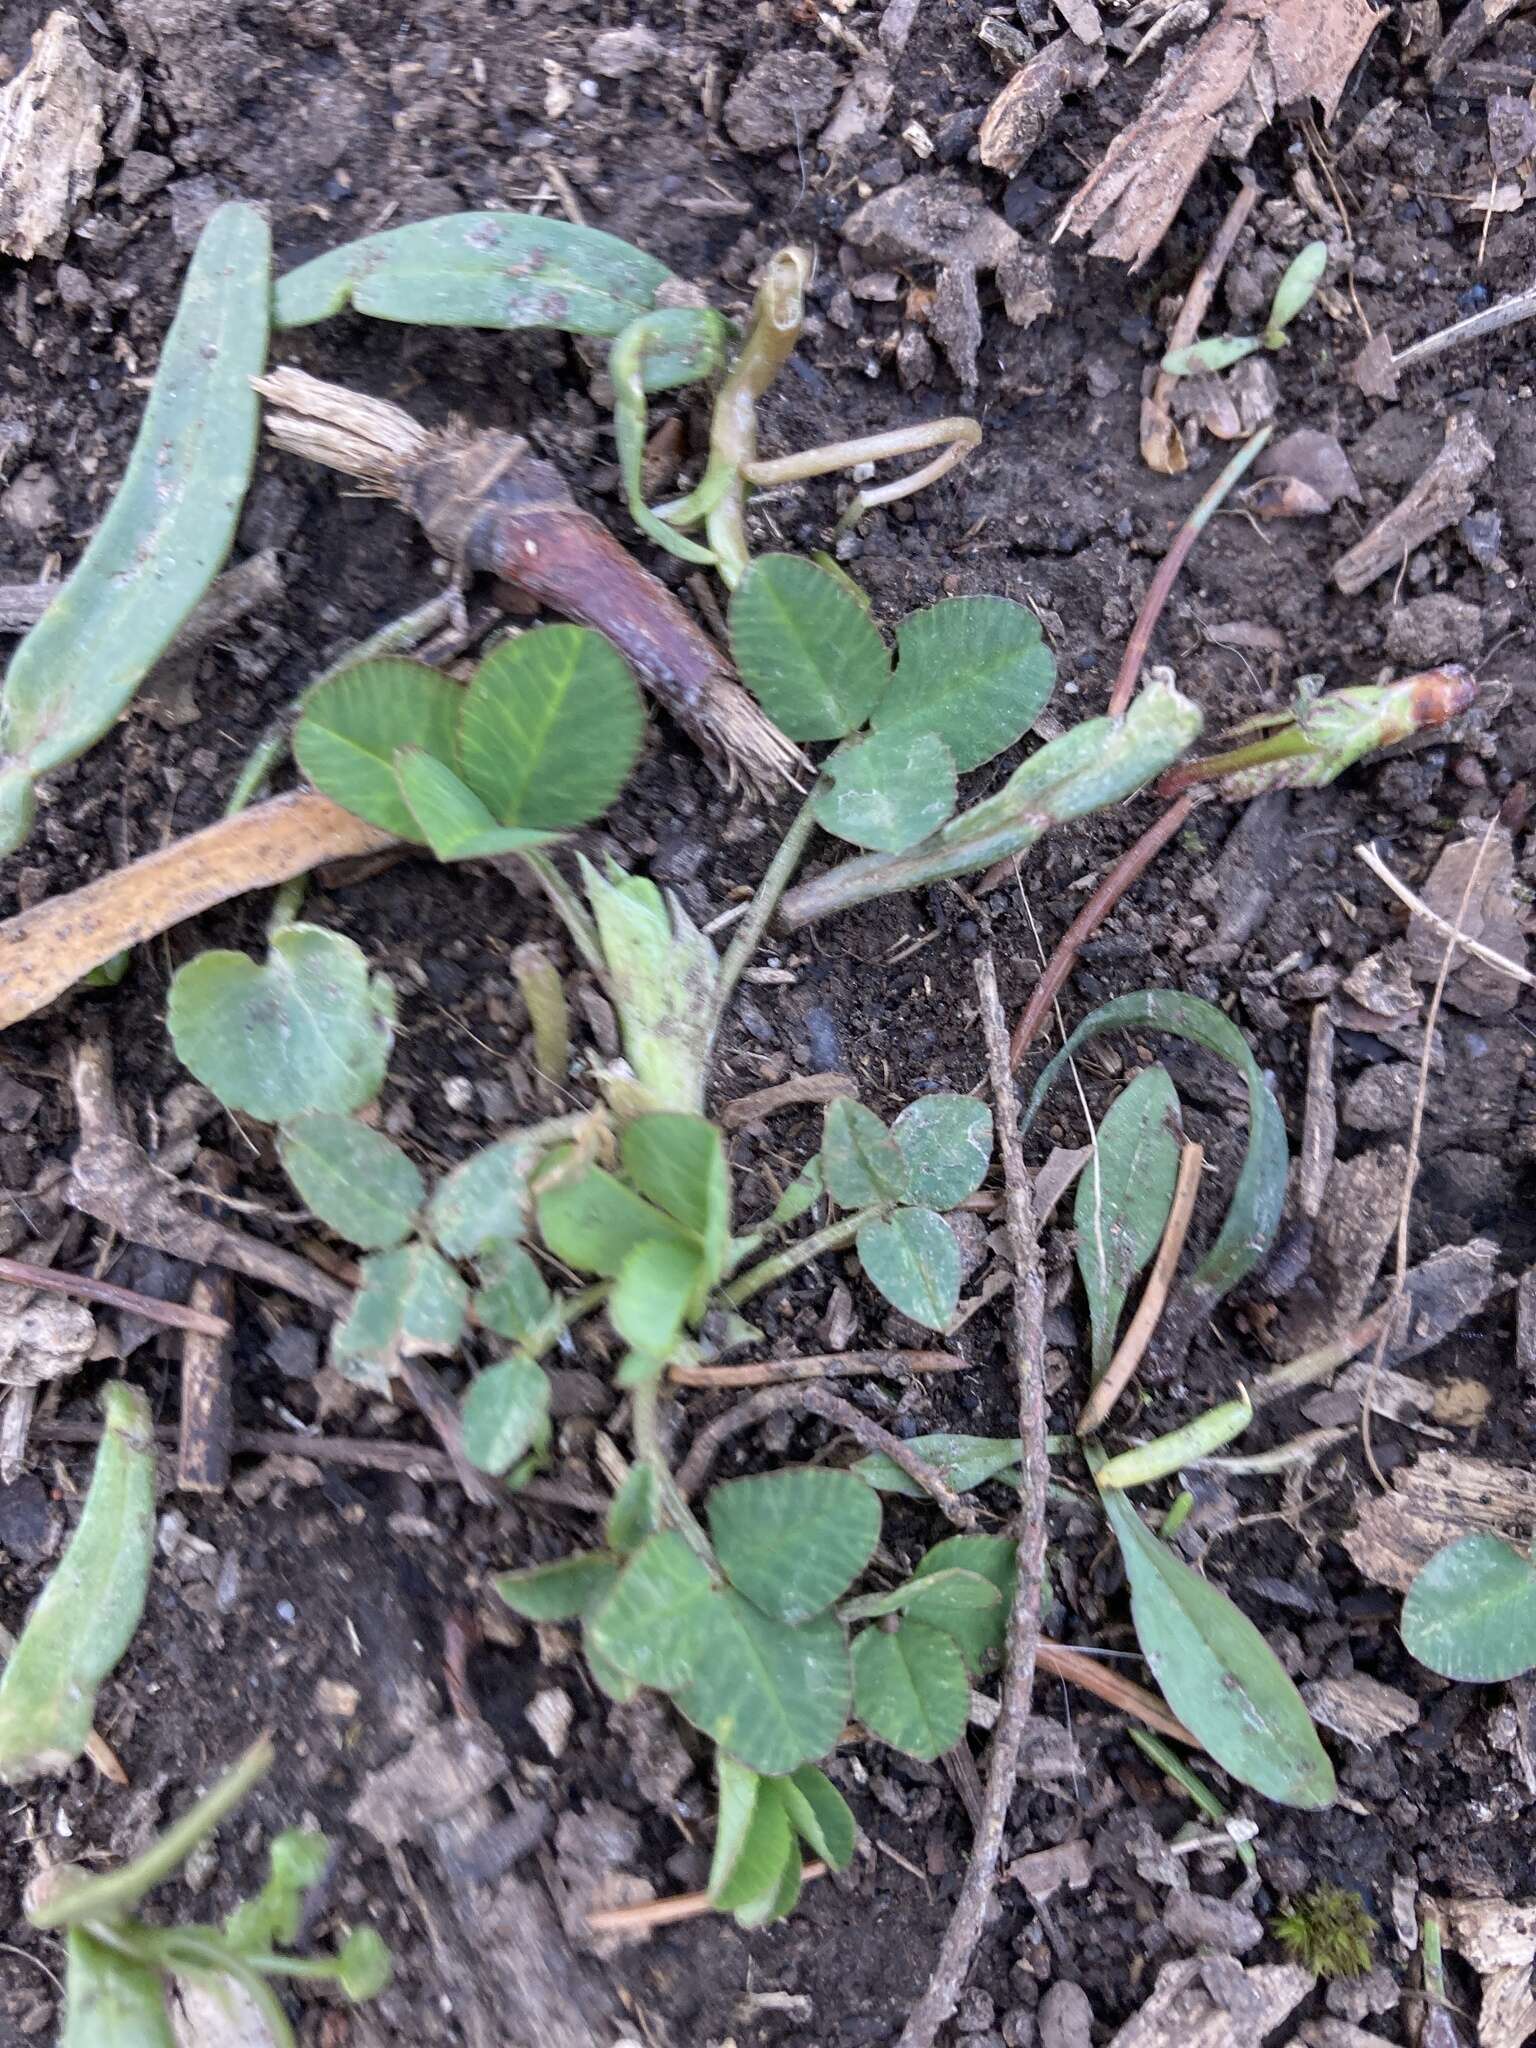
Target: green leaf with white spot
column 1217, row 1672
column 861, row 1163
column 974, row 671
column 807, row 650
column 946, row 1141
column 310, row 1029
column 562, row 1591
column 914, row 1261
column 651, row 1624
column 1471, row 1612
column 910, row 1688
column 592, row 1221
column 484, row 1203
column 776, row 1697
column 651, row 1295
column 411, row 1303
column 513, row 1297
column 352, row 725
column 353, row 1178
column 819, row 1815
column 505, row 1415
column 794, row 1541
column 1123, row 1197
column 886, row 791
column 550, row 728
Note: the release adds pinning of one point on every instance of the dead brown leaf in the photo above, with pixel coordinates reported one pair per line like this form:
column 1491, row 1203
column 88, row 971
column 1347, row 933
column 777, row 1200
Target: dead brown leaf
column 1257, row 56
column 1491, row 916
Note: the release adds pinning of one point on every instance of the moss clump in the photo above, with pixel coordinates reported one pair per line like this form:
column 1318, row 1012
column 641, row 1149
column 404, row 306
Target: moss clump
column 1328, row 1931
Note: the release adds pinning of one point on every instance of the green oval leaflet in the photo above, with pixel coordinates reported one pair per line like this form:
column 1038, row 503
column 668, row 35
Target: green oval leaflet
column 1303, row 274
column 1207, row 358
column 1217, row 1672
column 913, row 1259
column 1253, row 1216
column 488, row 269
column 85, row 1616
column 354, row 1178
column 1123, row 1198
column 168, row 529
column 1180, row 1447
column 1471, row 1612
column 910, row 1688
column 794, row 1541
column 111, row 1999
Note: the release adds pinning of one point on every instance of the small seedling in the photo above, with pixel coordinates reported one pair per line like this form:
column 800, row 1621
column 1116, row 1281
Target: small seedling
column 1303, row 275
column 1328, row 1931
column 1325, row 734
column 123, row 1976
column 515, row 270
column 85, row 1616
column 166, row 533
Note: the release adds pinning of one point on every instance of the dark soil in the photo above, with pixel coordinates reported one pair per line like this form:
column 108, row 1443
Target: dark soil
column 270, row 1604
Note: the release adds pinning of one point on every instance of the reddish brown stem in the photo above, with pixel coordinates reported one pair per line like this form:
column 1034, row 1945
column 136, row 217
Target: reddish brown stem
column 1131, row 864
column 1169, row 567
column 17, row 1273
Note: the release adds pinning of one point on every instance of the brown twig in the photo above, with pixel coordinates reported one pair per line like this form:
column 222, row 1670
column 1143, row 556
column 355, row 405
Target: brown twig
column 1157, row 428
column 942, row 1993
column 83, row 1287
column 1411, row 1167
column 1118, row 1373
column 648, row 1913
column 834, row 1365
column 207, row 1390
column 1131, row 865
column 1090, row 1674
column 358, row 1454
column 814, row 1089
column 47, row 949
column 112, row 1179
column 695, row 1468
column 1169, row 567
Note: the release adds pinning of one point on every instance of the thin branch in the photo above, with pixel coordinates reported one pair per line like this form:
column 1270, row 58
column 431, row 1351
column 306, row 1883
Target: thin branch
column 1446, row 929
column 696, row 1467
column 1411, row 1168
column 1313, row 1366
column 1132, row 1347
column 47, row 1280
column 1156, row 420
column 1082, row 1669
column 777, row 877
column 1169, row 567
column 1489, row 321
column 1131, row 865
column 958, row 1949
column 832, row 1365
column 648, row 1913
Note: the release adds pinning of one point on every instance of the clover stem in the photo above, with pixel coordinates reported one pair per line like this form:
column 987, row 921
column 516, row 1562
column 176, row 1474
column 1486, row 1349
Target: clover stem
column 568, row 908
column 669, row 1495
column 776, row 879
column 833, row 1237
column 954, row 438
column 777, row 318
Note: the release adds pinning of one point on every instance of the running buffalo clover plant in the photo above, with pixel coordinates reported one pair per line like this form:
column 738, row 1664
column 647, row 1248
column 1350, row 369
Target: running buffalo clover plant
column 133, row 1984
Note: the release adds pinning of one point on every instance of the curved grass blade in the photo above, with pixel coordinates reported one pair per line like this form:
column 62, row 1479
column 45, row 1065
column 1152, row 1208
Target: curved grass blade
column 1250, row 1223
column 1123, row 1198
column 1217, row 1672
column 167, row 531
column 86, row 1615
column 496, row 270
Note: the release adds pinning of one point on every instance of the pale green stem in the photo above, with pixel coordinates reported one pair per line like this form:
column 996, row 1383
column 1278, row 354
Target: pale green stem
column 832, row 1237
column 570, row 910
column 954, row 438
column 776, row 322
column 643, row 1425
column 110, row 1896
column 749, row 933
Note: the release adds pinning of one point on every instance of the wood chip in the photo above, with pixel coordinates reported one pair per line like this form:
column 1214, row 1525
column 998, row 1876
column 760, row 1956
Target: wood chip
column 1442, row 496
column 1045, row 1871
column 1435, row 1498
column 1183, row 2012
column 51, row 118
column 816, row 1089
column 1251, row 59
column 1493, row 1934
column 1507, row 2017
column 1491, row 916
column 1320, row 1123
column 1359, row 1708
column 1018, row 119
